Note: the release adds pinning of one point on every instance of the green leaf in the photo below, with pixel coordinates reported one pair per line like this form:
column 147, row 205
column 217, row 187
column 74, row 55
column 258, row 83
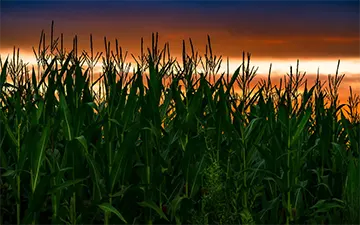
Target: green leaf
column 83, row 142
column 3, row 75
column 301, row 126
column 65, row 185
column 232, row 81
column 324, row 206
column 67, row 117
column 38, row 155
column 9, row 173
column 107, row 207
column 7, row 128
column 152, row 205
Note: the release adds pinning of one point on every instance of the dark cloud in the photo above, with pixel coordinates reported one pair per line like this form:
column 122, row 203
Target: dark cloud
column 265, row 28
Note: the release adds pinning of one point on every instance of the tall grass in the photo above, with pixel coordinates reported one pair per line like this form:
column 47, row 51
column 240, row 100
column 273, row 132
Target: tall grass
column 168, row 144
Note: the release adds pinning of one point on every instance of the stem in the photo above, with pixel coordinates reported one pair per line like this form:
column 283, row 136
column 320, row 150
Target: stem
column 54, row 201
column 73, row 200
column 73, row 208
column 244, row 164
column 288, row 174
column 148, row 178
column 18, row 209
column 107, row 214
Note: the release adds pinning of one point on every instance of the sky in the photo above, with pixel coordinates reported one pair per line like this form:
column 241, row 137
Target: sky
column 318, row 33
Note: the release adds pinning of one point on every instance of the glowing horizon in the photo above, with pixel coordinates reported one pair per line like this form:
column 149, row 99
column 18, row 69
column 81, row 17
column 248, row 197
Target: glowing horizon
column 319, row 35
column 348, row 66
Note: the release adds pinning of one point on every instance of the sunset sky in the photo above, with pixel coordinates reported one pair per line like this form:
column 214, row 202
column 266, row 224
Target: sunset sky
column 279, row 32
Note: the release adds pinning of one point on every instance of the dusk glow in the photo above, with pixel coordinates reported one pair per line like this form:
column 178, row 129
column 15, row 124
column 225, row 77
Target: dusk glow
column 277, row 32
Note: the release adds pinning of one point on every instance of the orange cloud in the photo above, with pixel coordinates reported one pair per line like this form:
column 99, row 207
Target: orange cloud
column 342, row 39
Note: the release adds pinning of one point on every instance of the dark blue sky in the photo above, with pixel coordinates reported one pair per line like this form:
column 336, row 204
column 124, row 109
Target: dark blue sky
column 279, row 28
column 6, row 4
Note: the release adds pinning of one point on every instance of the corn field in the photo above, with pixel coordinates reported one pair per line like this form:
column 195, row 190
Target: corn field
column 166, row 144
